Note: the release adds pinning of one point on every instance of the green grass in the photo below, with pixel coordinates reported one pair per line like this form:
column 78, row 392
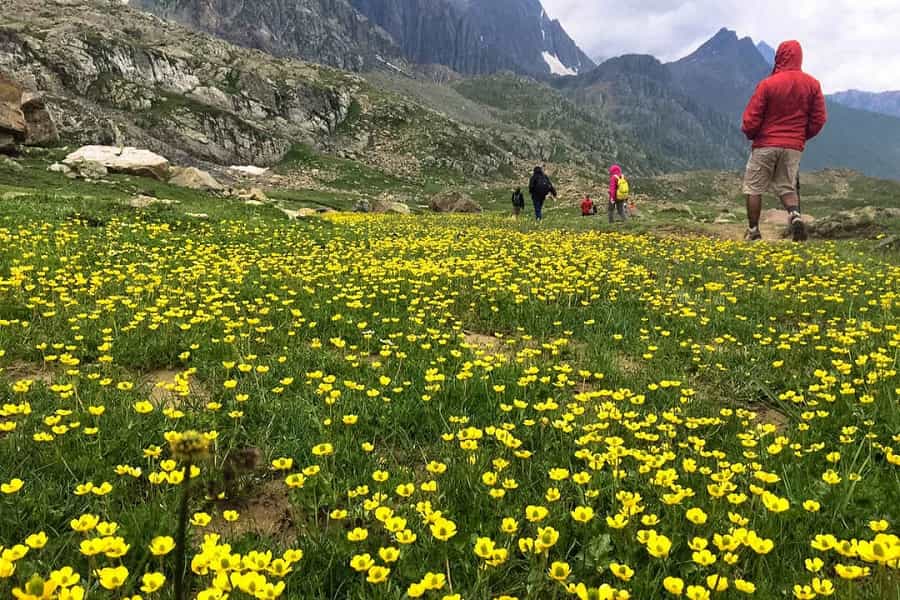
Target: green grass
column 663, row 358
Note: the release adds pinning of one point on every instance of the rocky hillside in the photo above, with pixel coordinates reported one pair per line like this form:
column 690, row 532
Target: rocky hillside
column 471, row 37
column 641, row 96
column 112, row 74
column 329, row 32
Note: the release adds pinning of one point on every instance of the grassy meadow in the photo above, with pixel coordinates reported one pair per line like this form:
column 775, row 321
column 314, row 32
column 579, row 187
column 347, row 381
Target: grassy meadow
column 383, row 407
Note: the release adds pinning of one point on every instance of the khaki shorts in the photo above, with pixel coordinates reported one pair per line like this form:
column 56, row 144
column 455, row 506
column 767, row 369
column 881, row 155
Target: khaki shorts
column 772, row 169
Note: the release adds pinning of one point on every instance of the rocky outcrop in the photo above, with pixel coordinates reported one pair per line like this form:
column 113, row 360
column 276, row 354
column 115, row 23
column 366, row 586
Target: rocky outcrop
column 24, row 118
column 41, row 126
column 127, row 160
column 13, row 127
column 454, row 202
column 856, row 223
column 115, row 75
column 195, row 179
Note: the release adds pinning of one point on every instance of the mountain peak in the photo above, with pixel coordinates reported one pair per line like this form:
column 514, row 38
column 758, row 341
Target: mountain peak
column 767, row 51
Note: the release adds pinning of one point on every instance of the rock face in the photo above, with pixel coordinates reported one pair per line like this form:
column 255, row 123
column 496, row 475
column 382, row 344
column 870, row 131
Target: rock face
column 470, row 37
column 195, row 179
column 329, row 32
column 13, row 127
column 131, row 161
column 115, row 75
column 478, row 37
column 41, row 127
column 24, row 117
column 454, row 202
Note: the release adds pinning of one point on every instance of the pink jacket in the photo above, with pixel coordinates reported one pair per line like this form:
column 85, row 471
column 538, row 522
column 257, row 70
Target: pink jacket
column 615, row 172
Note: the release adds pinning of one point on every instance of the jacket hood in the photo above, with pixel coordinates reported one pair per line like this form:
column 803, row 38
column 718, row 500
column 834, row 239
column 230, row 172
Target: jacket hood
column 789, row 57
column 538, row 170
column 615, row 170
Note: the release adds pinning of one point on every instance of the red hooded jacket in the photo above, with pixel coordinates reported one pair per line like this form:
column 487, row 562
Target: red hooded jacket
column 788, row 107
column 615, row 172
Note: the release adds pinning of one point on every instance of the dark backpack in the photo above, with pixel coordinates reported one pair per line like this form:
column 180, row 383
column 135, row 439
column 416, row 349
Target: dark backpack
column 542, row 185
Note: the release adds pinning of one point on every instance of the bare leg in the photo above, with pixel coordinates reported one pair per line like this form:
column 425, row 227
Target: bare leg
column 754, row 210
column 791, row 202
column 797, row 226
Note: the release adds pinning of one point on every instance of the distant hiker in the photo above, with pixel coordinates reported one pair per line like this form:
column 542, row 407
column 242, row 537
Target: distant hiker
column 619, row 191
column 518, row 202
column 587, row 207
column 540, row 187
column 787, row 110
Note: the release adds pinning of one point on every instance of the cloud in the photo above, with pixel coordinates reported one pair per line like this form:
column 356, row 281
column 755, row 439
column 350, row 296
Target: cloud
column 847, row 43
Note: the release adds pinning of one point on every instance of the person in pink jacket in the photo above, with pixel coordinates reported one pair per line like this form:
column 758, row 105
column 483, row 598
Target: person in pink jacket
column 615, row 204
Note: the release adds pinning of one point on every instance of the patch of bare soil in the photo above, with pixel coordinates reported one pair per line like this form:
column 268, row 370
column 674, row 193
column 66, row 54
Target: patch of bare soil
column 489, row 344
column 20, row 369
column 627, row 365
column 266, row 511
column 169, row 388
column 771, row 415
column 772, row 225
column 482, row 340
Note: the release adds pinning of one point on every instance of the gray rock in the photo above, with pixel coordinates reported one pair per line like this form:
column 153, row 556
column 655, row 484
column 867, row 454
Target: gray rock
column 142, row 201
column 253, row 195
column 195, row 179
column 889, row 243
column 383, row 206
column 858, row 223
column 454, row 202
column 88, row 169
column 59, row 168
column 41, row 126
column 131, row 161
column 9, row 164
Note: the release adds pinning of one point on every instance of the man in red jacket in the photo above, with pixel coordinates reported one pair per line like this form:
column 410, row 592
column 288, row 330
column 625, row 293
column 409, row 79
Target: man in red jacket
column 787, row 110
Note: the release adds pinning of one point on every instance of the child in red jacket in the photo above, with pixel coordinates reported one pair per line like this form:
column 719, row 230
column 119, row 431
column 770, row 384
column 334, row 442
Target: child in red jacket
column 587, row 207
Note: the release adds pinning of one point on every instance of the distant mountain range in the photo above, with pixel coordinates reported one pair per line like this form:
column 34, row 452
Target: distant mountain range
column 689, row 111
column 471, row 37
column 885, row 103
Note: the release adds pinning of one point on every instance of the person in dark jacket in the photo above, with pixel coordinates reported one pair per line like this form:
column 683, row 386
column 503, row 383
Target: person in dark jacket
column 787, row 110
column 540, row 187
column 518, row 202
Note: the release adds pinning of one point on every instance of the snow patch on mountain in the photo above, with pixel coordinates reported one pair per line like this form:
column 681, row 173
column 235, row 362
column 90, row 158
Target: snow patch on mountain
column 556, row 65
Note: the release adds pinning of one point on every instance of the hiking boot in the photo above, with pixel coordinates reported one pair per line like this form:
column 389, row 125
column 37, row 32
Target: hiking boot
column 753, row 235
column 798, row 229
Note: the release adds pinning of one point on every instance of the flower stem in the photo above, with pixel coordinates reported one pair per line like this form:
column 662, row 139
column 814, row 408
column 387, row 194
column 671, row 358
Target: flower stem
column 180, row 539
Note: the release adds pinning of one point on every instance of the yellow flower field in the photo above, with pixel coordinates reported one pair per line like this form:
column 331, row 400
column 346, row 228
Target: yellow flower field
column 445, row 408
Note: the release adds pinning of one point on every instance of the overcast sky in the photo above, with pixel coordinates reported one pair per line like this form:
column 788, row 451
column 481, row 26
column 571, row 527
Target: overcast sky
column 847, row 43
